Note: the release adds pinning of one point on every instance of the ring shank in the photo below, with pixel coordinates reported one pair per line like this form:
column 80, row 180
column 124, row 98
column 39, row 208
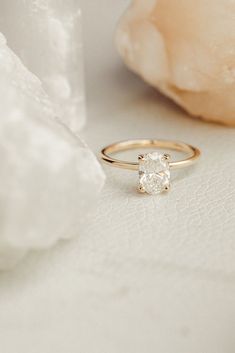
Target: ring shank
column 194, row 153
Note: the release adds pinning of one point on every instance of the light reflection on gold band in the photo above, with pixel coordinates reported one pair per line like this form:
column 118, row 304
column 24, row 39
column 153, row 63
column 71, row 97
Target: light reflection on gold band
column 193, row 152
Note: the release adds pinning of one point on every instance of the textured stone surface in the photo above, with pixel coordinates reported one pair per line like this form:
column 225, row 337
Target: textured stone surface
column 186, row 49
column 49, row 180
column 47, row 36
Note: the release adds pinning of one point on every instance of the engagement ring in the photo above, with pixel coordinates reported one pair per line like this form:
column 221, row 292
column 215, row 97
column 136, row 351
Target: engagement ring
column 154, row 168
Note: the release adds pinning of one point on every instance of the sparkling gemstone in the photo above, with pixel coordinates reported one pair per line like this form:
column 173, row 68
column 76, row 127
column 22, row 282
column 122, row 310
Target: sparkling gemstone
column 154, row 173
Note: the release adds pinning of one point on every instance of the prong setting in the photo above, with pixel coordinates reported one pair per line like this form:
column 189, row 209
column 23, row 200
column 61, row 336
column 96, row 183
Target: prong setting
column 141, row 189
column 141, row 157
column 166, row 157
column 167, row 188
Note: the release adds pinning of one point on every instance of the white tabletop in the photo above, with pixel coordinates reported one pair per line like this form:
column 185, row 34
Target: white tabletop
column 148, row 274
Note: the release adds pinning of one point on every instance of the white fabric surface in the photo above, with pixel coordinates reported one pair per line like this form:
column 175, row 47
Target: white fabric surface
column 149, row 274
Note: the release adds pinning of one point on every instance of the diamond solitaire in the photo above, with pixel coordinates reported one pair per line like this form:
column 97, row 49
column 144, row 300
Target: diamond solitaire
column 154, row 168
column 154, row 173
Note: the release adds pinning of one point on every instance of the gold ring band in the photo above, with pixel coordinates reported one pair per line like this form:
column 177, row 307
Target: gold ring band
column 154, row 168
column 194, row 153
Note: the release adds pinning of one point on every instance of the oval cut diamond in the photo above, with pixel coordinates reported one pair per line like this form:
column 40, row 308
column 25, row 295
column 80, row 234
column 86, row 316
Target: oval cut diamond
column 154, row 173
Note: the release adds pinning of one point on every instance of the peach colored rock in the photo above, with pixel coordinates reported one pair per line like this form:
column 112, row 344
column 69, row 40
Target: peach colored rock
column 186, row 49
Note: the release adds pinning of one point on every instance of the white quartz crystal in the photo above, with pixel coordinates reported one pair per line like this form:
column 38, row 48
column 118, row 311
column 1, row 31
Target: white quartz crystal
column 47, row 36
column 186, row 49
column 49, row 179
column 154, row 173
